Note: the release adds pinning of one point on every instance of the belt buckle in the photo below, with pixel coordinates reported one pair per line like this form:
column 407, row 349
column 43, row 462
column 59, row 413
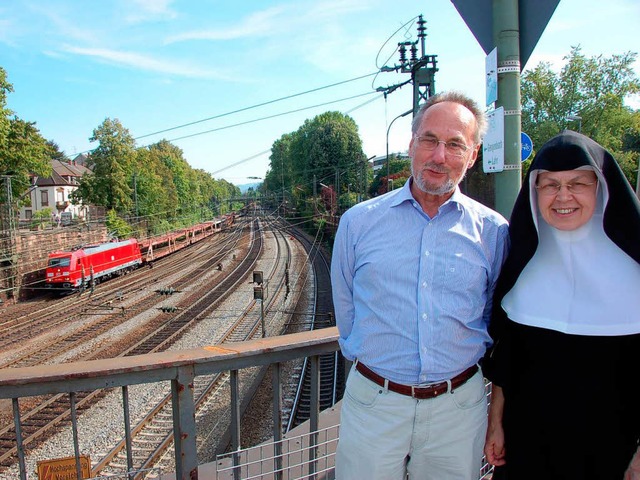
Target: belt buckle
column 413, row 391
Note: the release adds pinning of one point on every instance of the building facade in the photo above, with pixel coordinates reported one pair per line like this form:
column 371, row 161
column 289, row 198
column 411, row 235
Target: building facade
column 54, row 192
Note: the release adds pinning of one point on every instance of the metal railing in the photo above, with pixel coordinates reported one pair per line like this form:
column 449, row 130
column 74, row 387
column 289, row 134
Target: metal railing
column 180, row 367
column 306, row 454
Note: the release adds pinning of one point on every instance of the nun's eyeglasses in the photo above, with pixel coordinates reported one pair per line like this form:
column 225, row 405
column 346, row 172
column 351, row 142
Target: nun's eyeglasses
column 549, row 189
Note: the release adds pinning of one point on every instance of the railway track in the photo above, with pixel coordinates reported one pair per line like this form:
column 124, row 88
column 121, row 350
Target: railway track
column 152, row 436
column 40, row 422
column 331, row 364
column 65, row 310
column 106, row 310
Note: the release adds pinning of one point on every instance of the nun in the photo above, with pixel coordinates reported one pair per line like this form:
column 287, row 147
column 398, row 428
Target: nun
column 565, row 365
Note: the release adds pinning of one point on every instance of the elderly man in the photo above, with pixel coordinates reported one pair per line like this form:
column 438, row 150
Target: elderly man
column 413, row 273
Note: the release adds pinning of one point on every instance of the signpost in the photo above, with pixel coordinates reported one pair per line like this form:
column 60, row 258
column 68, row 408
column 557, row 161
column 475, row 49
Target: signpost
column 513, row 27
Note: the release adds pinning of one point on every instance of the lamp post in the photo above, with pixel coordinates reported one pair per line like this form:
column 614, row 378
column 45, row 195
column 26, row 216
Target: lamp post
column 388, row 129
column 577, row 118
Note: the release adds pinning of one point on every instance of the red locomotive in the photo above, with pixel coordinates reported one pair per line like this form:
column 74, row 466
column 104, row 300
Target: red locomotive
column 79, row 267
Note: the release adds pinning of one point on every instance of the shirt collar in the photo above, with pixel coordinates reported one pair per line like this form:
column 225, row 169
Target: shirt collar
column 458, row 200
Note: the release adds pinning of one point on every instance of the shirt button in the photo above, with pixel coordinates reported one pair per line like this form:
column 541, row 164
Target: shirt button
column 426, row 254
column 424, row 316
column 424, row 284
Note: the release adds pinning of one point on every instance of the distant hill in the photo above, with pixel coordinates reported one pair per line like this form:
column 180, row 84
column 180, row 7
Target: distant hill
column 243, row 188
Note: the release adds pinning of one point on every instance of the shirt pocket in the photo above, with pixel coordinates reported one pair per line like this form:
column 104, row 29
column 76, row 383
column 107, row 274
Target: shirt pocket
column 464, row 285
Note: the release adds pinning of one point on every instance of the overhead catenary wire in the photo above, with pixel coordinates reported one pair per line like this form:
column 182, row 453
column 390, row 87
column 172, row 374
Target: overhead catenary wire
column 271, row 116
column 255, row 106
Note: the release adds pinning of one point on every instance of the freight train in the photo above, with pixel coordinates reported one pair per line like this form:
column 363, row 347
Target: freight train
column 83, row 266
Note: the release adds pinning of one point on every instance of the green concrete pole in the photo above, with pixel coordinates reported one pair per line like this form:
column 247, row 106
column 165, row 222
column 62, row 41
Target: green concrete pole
column 506, row 35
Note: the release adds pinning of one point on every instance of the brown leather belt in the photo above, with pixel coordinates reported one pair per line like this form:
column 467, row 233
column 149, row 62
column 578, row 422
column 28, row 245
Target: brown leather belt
column 421, row 393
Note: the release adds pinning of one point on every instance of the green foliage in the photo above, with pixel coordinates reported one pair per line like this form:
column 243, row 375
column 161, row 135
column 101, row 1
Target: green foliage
column 593, row 89
column 41, row 217
column 117, row 226
column 399, row 172
column 112, row 164
column 154, row 187
column 23, row 151
column 326, row 149
column 5, row 88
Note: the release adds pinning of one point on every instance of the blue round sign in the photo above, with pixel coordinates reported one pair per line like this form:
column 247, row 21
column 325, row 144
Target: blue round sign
column 527, row 146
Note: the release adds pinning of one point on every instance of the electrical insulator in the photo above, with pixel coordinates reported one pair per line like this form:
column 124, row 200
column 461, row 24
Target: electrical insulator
column 421, row 27
column 403, row 54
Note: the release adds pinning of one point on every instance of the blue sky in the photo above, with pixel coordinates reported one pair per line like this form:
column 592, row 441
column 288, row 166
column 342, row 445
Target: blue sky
column 160, row 64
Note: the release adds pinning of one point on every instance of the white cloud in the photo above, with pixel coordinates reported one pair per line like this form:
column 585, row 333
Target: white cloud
column 284, row 18
column 149, row 10
column 142, row 62
column 257, row 24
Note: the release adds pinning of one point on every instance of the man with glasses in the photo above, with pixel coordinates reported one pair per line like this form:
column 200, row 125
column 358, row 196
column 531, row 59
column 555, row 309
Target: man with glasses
column 413, row 274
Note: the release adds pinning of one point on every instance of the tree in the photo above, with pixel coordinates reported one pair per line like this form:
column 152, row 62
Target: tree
column 399, row 172
column 154, row 191
column 23, row 150
column 279, row 176
column 111, row 161
column 24, row 153
column 588, row 94
column 5, row 88
column 54, row 151
column 328, row 148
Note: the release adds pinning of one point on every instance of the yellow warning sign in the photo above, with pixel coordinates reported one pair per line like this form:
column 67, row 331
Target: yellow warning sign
column 64, row 468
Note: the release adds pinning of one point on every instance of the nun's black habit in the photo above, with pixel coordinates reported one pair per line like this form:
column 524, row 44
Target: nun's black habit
column 571, row 381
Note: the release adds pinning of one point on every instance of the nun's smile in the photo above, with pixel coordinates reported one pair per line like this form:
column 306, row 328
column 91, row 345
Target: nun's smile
column 567, row 199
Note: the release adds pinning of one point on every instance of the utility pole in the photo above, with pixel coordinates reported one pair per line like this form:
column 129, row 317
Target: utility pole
column 514, row 27
column 506, row 35
column 135, row 193
column 422, row 68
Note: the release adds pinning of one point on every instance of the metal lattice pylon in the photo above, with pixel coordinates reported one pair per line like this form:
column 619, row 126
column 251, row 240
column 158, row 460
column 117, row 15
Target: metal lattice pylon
column 8, row 236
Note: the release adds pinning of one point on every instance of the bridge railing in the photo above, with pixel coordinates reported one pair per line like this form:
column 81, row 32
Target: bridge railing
column 180, row 367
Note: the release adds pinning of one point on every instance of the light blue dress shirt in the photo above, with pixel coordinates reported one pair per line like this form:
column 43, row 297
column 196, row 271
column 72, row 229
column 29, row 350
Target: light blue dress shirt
column 412, row 294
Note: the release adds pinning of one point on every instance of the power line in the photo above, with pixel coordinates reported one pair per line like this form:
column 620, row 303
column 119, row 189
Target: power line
column 255, row 106
column 270, row 116
column 239, row 162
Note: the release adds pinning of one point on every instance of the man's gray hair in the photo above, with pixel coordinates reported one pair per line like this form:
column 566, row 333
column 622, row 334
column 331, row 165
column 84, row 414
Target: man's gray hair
column 455, row 97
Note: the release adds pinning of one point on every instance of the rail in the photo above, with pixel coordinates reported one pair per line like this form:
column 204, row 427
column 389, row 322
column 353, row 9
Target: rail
column 179, row 367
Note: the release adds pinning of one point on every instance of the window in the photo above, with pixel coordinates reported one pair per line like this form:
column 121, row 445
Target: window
column 60, row 262
column 44, row 197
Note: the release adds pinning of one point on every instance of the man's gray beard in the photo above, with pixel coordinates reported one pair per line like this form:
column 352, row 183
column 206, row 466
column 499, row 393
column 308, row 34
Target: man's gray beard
column 443, row 189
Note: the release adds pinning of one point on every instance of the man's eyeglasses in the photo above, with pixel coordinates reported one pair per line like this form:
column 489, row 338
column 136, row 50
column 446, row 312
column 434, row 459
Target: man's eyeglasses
column 549, row 189
column 430, row 143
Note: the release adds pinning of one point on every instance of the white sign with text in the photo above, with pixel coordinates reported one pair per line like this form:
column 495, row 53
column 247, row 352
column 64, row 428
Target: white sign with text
column 493, row 145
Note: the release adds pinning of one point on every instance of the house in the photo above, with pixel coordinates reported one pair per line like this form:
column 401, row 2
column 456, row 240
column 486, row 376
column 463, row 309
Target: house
column 54, row 192
column 381, row 161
